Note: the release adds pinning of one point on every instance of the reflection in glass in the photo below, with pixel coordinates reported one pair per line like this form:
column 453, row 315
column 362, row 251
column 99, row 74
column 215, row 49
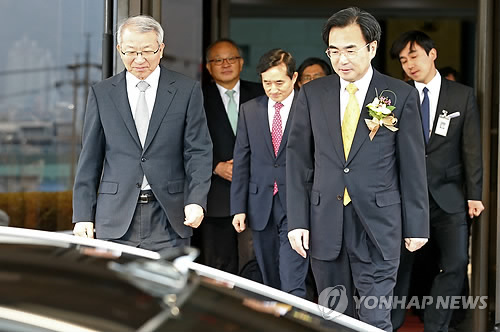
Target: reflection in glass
column 52, row 53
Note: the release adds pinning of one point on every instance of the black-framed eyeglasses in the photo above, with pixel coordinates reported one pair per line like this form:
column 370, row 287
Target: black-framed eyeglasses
column 334, row 53
column 135, row 54
column 219, row 62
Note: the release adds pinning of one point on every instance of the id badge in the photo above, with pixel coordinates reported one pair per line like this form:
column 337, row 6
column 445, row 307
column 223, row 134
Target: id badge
column 442, row 125
column 443, row 122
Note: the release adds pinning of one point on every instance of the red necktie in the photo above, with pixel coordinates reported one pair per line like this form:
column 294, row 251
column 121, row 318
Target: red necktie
column 276, row 135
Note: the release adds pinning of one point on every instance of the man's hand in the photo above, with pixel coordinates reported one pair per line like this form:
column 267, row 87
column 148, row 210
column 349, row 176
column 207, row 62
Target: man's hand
column 299, row 240
column 415, row 243
column 194, row 215
column 475, row 208
column 84, row 229
column 224, row 169
column 239, row 222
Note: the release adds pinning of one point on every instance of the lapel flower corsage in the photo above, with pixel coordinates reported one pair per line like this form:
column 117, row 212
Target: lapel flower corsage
column 381, row 111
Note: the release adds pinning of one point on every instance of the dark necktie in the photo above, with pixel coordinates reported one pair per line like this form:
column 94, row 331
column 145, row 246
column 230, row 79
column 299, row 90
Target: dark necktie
column 425, row 109
column 276, row 135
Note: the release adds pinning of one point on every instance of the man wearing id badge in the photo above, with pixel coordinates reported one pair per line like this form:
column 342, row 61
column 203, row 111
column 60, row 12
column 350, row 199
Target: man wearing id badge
column 451, row 127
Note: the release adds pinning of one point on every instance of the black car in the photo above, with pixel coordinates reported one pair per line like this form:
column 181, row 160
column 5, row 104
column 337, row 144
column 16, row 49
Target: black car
column 57, row 282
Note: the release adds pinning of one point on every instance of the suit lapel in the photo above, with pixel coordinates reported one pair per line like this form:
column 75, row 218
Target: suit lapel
column 442, row 105
column 331, row 105
column 164, row 96
column 120, row 99
column 244, row 92
column 284, row 140
column 362, row 131
column 263, row 120
column 217, row 106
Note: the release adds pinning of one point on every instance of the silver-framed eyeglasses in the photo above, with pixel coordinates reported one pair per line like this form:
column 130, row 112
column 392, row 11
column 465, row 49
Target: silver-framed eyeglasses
column 135, row 54
column 219, row 61
column 334, row 53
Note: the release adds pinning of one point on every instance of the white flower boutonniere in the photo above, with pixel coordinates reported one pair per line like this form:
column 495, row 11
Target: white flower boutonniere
column 381, row 111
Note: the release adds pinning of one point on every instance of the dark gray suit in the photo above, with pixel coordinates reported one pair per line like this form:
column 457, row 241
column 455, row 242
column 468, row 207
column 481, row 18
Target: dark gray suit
column 176, row 159
column 385, row 178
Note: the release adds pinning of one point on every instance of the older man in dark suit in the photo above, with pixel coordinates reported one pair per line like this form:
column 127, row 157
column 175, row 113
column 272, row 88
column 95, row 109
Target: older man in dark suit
column 145, row 166
column 258, row 192
column 356, row 176
column 450, row 123
column 222, row 100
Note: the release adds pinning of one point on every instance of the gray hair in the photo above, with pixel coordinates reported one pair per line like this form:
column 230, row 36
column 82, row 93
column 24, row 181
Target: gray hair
column 219, row 41
column 142, row 24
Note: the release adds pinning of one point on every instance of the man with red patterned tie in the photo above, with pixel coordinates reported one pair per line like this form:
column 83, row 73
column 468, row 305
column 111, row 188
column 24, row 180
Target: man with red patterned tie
column 258, row 187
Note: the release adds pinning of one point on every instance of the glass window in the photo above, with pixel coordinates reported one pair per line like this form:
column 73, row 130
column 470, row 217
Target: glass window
column 52, row 53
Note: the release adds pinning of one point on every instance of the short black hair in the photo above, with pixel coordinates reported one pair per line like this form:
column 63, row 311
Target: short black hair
column 314, row 61
column 222, row 40
column 445, row 71
column 413, row 37
column 353, row 15
column 275, row 57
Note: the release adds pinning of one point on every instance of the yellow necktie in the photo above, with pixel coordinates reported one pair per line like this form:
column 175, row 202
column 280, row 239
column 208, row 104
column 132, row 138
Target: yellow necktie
column 349, row 124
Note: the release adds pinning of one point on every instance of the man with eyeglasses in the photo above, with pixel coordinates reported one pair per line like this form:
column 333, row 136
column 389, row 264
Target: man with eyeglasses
column 222, row 99
column 356, row 191
column 311, row 69
column 144, row 170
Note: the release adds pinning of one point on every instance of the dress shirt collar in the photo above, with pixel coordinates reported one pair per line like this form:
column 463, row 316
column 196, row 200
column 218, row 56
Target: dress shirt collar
column 433, row 86
column 361, row 84
column 222, row 90
column 287, row 102
column 152, row 79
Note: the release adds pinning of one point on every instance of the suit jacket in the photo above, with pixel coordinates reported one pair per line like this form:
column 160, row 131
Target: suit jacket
column 176, row 159
column 454, row 162
column 255, row 167
column 385, row 178
column 223, row 140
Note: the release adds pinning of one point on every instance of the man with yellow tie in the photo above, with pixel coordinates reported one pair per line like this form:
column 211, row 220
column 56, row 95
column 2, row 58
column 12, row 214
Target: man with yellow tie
column 356, row 181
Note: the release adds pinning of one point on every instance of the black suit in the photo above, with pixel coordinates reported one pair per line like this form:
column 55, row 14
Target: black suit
column 454, row 175
column 219, row 239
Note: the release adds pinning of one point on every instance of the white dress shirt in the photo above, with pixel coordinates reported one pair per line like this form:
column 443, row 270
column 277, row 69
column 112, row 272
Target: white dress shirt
column 362, row 86
column 133, row 96
column 284, row 112
column 225, row 98
column 434, row 87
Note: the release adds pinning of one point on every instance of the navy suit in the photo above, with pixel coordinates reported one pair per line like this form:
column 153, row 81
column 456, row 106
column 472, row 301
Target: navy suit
column 385, row 178
column 255, row 170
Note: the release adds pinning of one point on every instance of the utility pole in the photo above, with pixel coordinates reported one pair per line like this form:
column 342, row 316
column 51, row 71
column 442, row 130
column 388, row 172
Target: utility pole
column 76, row 83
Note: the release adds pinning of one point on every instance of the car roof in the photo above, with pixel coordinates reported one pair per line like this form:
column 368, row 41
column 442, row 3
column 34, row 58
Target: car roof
column 147, row 274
